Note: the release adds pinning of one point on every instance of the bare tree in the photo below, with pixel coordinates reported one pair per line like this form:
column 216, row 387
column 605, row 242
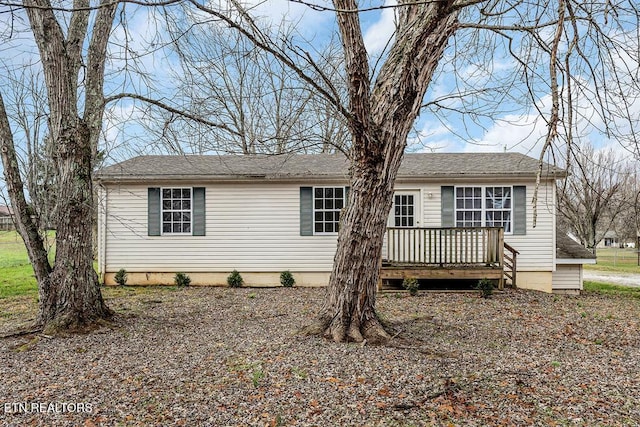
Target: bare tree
column 266, row 106
column 27, row 108
column 69, row 294
column 627, row 222
column 594, row 195
column 562, row 49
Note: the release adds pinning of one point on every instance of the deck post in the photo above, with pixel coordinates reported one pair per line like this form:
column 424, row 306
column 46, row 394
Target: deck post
column 500, row 250
column 380, row 275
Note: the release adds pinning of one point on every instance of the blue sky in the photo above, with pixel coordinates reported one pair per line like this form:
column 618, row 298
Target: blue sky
column 512, row 127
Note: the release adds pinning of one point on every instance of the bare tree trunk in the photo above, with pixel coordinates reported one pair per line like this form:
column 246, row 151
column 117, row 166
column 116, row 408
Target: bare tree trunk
column 69, row 292
column 349, row 310
column 25, row 224
column 73, row 299
column 380, row 121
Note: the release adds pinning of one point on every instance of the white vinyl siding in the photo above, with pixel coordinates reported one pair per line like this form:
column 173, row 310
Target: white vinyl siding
column 255, row 227
column 249, row 227
column 567, row 276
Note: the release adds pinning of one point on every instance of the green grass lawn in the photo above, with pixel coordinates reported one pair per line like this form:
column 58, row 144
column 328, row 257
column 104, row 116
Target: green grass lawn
column 609, row 289
column 16, row 273
column 616, row 260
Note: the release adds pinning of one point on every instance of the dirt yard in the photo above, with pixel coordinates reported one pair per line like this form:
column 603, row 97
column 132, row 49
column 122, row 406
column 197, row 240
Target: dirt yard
column 232, row 357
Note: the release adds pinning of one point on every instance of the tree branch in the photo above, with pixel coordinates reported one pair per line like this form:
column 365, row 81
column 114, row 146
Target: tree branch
column 170, row 109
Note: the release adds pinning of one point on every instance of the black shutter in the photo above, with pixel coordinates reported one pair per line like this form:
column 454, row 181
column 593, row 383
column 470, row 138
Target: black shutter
column 199, row 211
column 447, row 211
column 306, row 211
column 153, row 211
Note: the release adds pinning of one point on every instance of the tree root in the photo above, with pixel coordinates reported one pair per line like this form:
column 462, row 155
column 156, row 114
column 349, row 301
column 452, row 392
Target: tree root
column 371, row 331
column 68, row 324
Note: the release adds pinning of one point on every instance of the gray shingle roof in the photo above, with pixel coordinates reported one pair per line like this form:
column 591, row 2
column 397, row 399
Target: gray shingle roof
column 567, row 248
column 328, row 166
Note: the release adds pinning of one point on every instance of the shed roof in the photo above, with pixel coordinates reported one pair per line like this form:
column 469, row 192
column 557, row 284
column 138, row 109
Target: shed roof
column 327, row 166
column 5, row 210
column 567, row 248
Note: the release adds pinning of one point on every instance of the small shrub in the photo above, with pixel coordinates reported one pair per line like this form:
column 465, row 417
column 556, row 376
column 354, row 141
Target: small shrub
column 121, row 277
column 286, row 279
column 181, row 279
column 411, row 284
column 485, row 286
column 235, row 280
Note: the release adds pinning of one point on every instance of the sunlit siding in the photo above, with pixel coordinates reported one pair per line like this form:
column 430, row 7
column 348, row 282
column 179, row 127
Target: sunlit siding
column 537, row 248
column 248, row 227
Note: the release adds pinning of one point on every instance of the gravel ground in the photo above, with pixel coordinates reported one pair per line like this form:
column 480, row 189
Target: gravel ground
column 231, row 357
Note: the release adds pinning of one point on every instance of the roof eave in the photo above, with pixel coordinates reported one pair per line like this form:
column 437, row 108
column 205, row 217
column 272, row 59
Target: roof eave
column 566, row 261
column 137, row 179
column 131, row 179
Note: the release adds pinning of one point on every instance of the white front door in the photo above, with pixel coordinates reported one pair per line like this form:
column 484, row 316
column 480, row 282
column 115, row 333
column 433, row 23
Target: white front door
column 406, row 209
column 402, row 244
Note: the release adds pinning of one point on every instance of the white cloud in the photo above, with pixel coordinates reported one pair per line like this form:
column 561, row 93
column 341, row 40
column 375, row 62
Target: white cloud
column 378, row 34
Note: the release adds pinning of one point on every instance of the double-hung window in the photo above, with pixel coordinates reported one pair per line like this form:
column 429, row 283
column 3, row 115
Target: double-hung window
column 484, row 207
column 177, row 211
column 469, row 207
column 498, row 207
column 327, row 204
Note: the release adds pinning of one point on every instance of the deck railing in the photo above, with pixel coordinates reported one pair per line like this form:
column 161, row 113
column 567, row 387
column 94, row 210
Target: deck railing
column 442, row 246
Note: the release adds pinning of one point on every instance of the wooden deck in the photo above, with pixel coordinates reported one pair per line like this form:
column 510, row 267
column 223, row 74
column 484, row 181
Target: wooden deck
column 446, row 253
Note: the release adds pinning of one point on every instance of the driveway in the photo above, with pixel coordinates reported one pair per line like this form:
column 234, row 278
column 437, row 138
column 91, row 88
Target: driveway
column 625, row 279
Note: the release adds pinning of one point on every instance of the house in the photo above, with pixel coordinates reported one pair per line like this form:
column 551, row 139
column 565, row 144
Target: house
column 610, row 240
column 453, row 215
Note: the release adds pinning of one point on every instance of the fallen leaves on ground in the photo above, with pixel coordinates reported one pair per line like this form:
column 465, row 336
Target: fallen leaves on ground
column 218, row 356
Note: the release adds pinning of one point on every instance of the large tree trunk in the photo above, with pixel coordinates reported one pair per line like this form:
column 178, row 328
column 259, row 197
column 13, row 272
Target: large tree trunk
column 69, row 292
column 349, row 310
column 381, row 118
column 72, row 298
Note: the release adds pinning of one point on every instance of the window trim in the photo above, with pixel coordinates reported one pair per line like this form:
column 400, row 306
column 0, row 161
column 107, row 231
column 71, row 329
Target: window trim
column 484, row 210
column 162, row 211
column 313, row 208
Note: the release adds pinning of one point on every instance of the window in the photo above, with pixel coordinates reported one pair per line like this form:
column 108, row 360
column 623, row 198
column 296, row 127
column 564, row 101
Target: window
column 403, row 215
column 484, row 206
column 176, row 210
column 327, row 204
column 469, row 207
column 498, row 207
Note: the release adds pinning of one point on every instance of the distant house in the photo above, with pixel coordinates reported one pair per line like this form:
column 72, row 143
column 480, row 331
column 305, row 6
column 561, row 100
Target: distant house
column 610, row 240
column 461, row 215
column 6, row 222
